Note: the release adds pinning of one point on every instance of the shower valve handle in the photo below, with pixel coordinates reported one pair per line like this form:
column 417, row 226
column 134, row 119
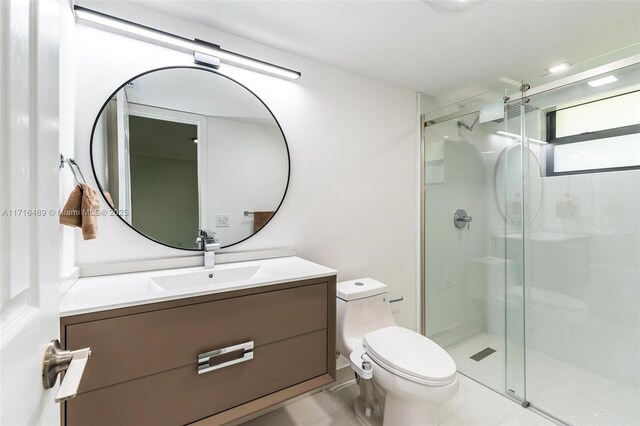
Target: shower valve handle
column 461, row 219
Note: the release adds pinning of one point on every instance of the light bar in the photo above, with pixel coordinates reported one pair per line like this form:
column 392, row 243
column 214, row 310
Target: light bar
column 182, row 43
column 602, row 81
column 513, row 135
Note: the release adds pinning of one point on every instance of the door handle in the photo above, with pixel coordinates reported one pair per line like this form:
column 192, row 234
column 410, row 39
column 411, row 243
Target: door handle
column 56, row 361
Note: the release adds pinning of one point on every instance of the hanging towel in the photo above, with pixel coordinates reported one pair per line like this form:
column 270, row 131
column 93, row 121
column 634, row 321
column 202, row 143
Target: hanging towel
column 70, row 214
column 260, row 219
column 81, row 211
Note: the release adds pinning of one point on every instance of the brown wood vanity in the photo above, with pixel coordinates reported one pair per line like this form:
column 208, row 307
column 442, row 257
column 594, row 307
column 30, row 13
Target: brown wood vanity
column 144, row 367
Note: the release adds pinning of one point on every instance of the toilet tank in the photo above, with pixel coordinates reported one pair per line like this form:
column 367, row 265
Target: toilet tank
column 362, row 307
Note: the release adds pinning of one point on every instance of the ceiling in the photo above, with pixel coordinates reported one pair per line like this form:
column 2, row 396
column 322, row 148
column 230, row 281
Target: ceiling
column 409, row 44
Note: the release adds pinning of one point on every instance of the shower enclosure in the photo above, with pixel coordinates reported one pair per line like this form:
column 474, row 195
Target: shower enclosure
column 535, row 288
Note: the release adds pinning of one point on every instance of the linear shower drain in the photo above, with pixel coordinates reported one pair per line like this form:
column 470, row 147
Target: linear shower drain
column 482, row 354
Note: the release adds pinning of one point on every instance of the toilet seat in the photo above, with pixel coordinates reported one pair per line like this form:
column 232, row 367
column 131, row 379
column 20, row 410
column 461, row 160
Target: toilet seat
column 410, row 355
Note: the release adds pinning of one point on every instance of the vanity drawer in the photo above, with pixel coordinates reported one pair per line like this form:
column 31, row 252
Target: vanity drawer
column 132, row 346
column 181, row 395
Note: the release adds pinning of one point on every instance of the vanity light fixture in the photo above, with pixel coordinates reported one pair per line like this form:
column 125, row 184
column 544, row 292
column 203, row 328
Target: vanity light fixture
column 602, row 81
column 559, row 68
column 515, row 136
column 206, row 50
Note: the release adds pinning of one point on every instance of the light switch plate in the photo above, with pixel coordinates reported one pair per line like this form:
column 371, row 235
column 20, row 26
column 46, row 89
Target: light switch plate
column 222, row 220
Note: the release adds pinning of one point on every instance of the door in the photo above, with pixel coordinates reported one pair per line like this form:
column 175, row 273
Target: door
column 29, row 230
column 474, row 271
column 582, row 258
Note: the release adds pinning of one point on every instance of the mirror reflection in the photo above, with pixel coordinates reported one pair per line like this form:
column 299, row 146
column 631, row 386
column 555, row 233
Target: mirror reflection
column 509, row 197
column 180, row 149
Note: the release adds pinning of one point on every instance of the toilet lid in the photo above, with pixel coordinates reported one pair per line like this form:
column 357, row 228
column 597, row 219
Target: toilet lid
column 410, row 353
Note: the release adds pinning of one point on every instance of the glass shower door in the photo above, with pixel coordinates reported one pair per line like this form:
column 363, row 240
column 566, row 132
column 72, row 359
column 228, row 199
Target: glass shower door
column 514, row 207
column 539, row 299
column 582, row 251
column 472, row 164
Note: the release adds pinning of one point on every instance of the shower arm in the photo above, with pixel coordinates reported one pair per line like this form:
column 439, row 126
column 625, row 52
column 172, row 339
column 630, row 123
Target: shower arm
column 461, row 123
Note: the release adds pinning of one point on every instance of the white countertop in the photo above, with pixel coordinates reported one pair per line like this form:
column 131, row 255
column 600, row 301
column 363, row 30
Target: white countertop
column 94, row 294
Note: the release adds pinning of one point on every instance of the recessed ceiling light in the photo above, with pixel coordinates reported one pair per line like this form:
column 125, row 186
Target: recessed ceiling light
column 509, row 81
column 453, row 7
column 602, row 81
column 559, row 68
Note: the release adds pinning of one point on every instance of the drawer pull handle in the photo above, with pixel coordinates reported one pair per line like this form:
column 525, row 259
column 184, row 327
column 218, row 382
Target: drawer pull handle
column 204, row 358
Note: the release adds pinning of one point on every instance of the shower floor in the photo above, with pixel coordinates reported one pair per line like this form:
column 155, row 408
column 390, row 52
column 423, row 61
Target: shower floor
column 573, row 394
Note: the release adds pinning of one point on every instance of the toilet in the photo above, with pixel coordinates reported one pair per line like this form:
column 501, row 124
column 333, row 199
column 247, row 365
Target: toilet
column 402, row 375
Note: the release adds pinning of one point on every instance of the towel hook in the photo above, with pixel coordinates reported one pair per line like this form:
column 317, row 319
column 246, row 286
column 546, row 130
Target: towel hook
column 73, row 166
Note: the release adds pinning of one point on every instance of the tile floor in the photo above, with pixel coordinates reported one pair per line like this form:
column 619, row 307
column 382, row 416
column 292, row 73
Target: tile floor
column 575, row 395
column 474, row 405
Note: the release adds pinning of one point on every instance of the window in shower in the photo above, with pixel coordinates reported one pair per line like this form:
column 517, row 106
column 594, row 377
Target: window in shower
column 596, row 136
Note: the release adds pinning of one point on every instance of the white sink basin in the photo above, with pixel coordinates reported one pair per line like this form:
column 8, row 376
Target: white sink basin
column 212, row 277
column 100, row 293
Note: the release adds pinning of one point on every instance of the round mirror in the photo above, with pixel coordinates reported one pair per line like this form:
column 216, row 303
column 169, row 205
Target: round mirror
column 182, row 149
column 507, row 187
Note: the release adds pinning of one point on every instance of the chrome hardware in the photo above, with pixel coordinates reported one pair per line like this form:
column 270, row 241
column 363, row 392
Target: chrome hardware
column 204, row 359
column 460, row 219
column 359, row 364
column 56, row 361
column 248, row 213
column 210, row 61
column 208, row 243
column 523, row 89
column 74, row 168
column 399, row 299
column 461, row 124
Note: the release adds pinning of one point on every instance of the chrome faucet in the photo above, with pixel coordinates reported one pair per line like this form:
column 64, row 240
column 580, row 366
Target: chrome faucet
column 209, row 244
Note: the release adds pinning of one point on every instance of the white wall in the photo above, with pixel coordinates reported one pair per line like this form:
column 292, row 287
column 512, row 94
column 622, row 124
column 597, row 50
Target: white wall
column 461, row 278
column 247, row 169
column 351, row 202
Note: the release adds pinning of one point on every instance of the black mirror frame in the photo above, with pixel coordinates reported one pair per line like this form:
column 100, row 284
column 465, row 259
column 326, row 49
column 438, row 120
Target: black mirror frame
column 95, row 175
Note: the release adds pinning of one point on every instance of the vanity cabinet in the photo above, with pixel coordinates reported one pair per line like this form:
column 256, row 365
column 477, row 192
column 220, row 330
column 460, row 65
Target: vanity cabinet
column 206, row 360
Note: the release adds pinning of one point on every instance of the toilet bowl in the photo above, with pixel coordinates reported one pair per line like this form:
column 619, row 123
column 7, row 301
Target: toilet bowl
column 402, row 374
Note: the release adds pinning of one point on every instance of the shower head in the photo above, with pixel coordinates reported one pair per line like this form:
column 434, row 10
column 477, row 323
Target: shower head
column 514, row 111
